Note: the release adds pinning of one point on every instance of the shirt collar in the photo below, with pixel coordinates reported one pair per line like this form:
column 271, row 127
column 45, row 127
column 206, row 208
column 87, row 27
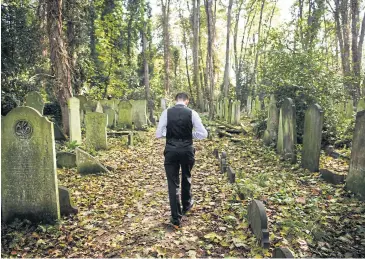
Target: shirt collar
column 180, row 103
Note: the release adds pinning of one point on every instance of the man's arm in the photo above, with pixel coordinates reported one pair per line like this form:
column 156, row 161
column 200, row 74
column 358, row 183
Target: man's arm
column 199, row 131
column 161, row 128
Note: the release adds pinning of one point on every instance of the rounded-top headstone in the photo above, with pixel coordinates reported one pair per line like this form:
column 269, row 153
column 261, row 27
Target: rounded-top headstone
column 257, row 220
column 35, row 100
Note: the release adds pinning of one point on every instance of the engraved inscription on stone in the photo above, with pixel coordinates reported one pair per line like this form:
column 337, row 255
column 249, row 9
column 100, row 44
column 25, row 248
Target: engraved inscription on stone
column 23, row 129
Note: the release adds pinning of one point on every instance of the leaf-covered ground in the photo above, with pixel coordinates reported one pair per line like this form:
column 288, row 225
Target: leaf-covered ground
column 124, row 213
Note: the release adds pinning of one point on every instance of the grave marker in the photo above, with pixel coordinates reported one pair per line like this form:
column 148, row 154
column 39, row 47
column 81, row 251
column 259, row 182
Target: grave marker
column 282, row 252
column 139, row 113
column 271, row 133
column 125, row 114
column 231, row 174
column 313, row 124
column 74, row 117
column 249, row 105
column 87, row 164
column 29, row 187
column 99, row 108
column 257, row 220
column 35, row 100
column 96, row 136
column 66, row 205
column 360, row 105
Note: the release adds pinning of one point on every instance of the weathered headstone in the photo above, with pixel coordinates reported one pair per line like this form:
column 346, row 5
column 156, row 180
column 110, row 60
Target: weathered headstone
column 223, row 163
column 90, row 106
column 249, row 105
column 35, row 100
column 258, row 106
column 66, row 205
column 332, row 177
column 356, row 177
column 28, row 167
column 349, row 110
column 287, row 135
column 74, row 119
column 226, row 109
column 313, row 124
column 66, row 160
column 112, row 117
column 237, row 113
column 271, row 133
column 360, row 105
column 87, row 164
column 99, row 108
column 253, row 109
column 96, row 136
column 282, row 252
column 257, row 220
column 231, row 174
column 125, row 114
column 139, row 113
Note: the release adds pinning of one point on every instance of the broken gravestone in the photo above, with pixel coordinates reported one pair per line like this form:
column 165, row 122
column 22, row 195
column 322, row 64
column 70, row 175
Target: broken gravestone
column 257, row 220
column 66, row 160
column 282, row 252
column 35, row 100
column 231, row 174
column 66, row 205
column 87, row 164
column 313, row 123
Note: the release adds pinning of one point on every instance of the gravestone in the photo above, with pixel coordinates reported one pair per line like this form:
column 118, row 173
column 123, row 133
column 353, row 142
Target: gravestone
column 139, row 113
column 125, row 114
column 257, row 220
column 74, row 119
column 282, row 252
column 90, row 106
column 35, row 100
column 99, row 108
column 223, row 164
column 237, row 113
column 258, row 106
column 66, row 160
column 231, row 108
column 29, row 187
column 360, row 105
column 231, row 174
column 271, row 132
column 349, row 109
column 332, row 177
column 249, row 105
column 112, row 117
column 356, row 177
column 87, row 164
column 95, row 124
column 107, row 104
column 253, row 109
column 287, row 135
column 66, row 205
column 83, row 101
column 226, row 109
column 313, row 124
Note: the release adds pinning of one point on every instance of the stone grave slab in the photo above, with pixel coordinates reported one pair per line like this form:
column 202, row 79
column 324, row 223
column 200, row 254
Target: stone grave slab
column 96, row 133
column 139, row 113
column 332, row 177
column 271, row 132
column 66, row 205
column 87, row 164
column 99, row 107
column 223, row 162
column 282, row 252
column 35, row 100
column 29, row 188
column 313, row 124
column 75, row 121
column 66, row 160
column 125, row 114
column 257, row 220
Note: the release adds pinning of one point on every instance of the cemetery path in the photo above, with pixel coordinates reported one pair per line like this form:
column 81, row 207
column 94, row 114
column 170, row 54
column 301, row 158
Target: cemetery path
column 123, row 213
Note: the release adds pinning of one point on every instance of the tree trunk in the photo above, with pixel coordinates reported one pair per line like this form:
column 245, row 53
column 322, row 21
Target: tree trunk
column 59, row 59
column 196, row 79
column 166, row 49
column 258, row 47
column 210, row 68
column 227, row 65
column 146, row 76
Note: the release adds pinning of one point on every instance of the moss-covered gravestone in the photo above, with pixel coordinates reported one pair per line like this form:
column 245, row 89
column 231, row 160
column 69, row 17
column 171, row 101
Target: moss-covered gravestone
column 111, row 117
column 66, row 160
column 249, row 105
column 125, row 114
column 258, row 106
column 356, row 177
column 313, row 124
column 139, row 113
column 349, row 109
column 287, row 135
column 237, row 113
column 360, row 105
column 271, row 132
column 90, row 106
column 226, row 109
column 96, row 136
column 231, row 108
column 28, row 167
column 257, row 220
column 74, row 118
column 35, row 100
column 87, row 164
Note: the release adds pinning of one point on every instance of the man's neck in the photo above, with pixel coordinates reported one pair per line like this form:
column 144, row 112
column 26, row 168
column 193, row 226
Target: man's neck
column 180, row 103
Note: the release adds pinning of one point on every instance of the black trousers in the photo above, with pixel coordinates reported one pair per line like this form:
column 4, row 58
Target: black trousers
column 174, row 159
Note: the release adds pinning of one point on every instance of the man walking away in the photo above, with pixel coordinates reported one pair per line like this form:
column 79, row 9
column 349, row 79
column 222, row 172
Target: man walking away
column 180, row 125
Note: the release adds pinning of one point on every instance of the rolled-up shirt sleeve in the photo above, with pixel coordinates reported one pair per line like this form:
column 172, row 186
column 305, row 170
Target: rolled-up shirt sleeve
column 161, row 128
column 199, row 131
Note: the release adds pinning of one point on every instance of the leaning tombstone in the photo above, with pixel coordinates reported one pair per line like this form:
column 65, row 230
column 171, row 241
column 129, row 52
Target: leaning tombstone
column 66, row 160
column 29, row 188
column 257, row 220
column 87, row 164
column 313, row 124
column 96, row 136
column 349, row 109
column 360, row 105
column 74, row 119
column 282, row 252
column 125, row 114
column 35, row 100
column 287, row 136
column 356, row 177
column 139, row 113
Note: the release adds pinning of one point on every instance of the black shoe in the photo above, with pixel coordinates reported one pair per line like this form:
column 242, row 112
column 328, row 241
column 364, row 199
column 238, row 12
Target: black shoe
column 176, row 224
column 184, row 211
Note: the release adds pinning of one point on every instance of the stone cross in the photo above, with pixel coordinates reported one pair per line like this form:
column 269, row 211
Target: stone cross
column 313, row 124
column 29, row 188
column 356, row 177
column 74, row 119
column 96, row 136
column 287, row 135
column 35, row 100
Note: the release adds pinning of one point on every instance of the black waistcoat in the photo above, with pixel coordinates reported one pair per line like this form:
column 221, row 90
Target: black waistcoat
column 179, row 130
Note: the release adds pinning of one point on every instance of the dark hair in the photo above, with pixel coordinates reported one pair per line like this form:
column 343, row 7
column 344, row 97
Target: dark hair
column 182, row 96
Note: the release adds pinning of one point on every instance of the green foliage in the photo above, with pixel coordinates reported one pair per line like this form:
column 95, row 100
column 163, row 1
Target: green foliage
column 71, row 145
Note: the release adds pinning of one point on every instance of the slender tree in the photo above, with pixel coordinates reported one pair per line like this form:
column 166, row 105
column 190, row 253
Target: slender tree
column 227, row 65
